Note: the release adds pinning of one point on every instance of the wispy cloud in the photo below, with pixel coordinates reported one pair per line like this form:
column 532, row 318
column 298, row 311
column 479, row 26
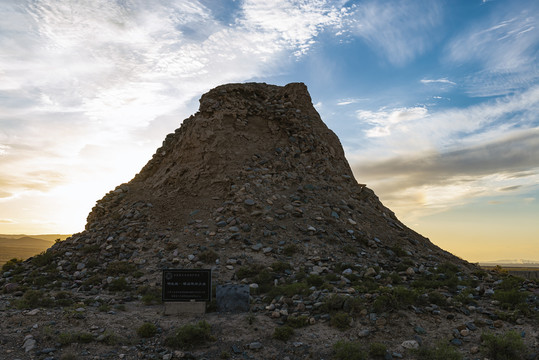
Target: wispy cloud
column 398, row 30
column 503, row 46
column 437, row 81
column 349, row 101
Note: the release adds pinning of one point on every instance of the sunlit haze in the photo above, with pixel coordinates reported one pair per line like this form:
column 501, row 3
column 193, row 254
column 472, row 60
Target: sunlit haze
column 436, row 103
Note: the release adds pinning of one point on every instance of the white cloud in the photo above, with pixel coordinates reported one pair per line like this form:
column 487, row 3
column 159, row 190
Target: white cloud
column 504, row 46
column 349, row 101
column 398, row 30
column 433, row 161
column 435, row 81
column 386, row 121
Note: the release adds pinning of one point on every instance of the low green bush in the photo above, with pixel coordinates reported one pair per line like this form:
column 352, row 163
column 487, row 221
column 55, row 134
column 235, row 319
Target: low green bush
column 147, row 330
column 507, row 346
column 283, row 333
column 438, row 351
column 377, row 350
column 297, row 321
column 190, row 336
column 349, row 351
column 340, row 320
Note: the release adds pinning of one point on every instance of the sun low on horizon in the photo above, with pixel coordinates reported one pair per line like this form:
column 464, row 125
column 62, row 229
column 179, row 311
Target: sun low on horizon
column 436, row 103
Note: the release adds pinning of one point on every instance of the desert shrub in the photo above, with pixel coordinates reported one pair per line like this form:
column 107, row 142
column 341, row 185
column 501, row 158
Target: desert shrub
column 437, row 298
column 34, row 299
column 332, row 303
column 42, row 259
column 225, row 355
column 340, row 320
column 283, row 333
column 68, row 356
column 147, row 330
column 92, row 280
column 92, row 263
column 120, row 267
column 508, row 346
column 377, row 350
column 350, row 249
column 394, row 299
column 510, row 298
column 208, row 256
column 297, row 322
column 150, row 295
column 281, row 266
column 398, row 251
column 314, row 280
column 119, row 284
column 11, row 265
column 289, row 290
column 190, row 336
column 349, row 351
column 63, row 298
column 439, row 351
column 332, row 277
column 66, row 338
column 290, row 250
column 249, row 271
column 264, row 279
column 90, row 248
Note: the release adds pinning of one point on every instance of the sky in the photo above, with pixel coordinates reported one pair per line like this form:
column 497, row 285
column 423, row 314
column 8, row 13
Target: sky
column 436, row 103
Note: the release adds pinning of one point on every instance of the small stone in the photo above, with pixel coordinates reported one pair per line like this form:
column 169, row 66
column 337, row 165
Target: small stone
column 456, row 342
column 498, row 324
column 190, row 257
column 474, row 349
column 364, row 333
column 249, row 202
column 33, row 312
column 255, row 345
column 419, row 330
column 410, row 271
column 257, row 247
column 464, row 332
column 347, row 271
column 29, row 344
column 410, row 344
column 370, row 272
column 167, row 356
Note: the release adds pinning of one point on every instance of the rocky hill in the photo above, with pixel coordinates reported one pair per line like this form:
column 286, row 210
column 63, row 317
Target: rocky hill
column 257, row 188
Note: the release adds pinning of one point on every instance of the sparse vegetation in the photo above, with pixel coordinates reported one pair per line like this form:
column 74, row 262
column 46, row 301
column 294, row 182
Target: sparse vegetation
column 352, row 350
column 377, row 350
column 283, row 333
column 340, row 320
column 439, row 351
column 190, row 336
column 508, row 346
column 119, row 284
column 208, row 256
column 42, row 259
column 120, row 267
column 66, row 338
column 11, row 265
column 290, row 250
column 297, row 322
column 147, row 330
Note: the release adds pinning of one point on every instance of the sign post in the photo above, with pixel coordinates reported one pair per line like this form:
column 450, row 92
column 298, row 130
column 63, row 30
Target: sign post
column 186, row 290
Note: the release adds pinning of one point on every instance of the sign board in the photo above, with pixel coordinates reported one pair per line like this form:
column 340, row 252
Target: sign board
column 186, row 285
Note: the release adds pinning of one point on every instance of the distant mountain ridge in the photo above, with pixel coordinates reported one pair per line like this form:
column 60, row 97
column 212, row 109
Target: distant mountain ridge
column 24, row 246
column 47, row 237
column 512, row 262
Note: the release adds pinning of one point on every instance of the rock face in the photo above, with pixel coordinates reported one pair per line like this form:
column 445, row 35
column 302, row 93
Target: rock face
column 254, row 172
